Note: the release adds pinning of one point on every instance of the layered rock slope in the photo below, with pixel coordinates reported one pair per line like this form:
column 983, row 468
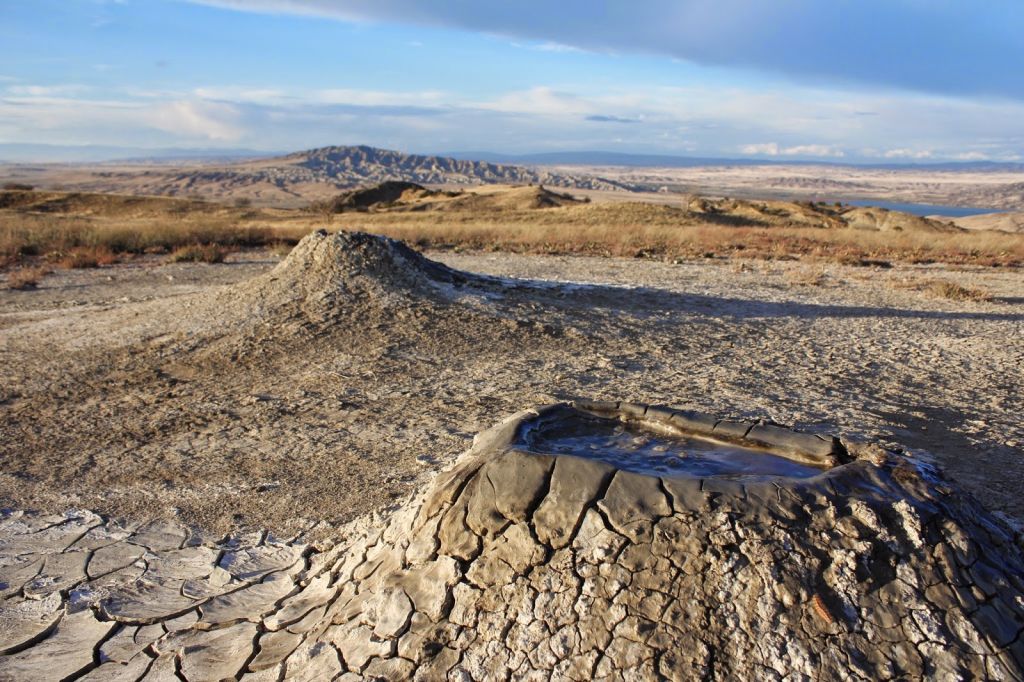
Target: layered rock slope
column 362, row 164
column 774, row 213
column 297, row 178
column 538, row 556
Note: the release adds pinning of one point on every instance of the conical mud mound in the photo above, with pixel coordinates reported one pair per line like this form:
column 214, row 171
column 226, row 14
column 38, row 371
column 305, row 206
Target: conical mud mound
column 588, row 541
column 331, row 277
column 359, row 261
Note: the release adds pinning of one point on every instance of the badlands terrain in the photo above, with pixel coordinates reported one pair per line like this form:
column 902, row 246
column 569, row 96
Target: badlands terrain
column 290, row 180
column 316, row 174
column 995, row 188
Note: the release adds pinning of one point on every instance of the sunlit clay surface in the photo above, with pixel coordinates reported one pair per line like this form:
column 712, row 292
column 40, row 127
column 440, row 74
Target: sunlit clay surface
column 629, row 447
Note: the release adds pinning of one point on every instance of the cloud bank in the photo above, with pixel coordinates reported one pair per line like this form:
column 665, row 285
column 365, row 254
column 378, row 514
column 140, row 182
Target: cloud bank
column 701, row 121
column 959, row 47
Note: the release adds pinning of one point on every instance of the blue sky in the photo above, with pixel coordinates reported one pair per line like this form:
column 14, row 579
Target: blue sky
column 849, row 80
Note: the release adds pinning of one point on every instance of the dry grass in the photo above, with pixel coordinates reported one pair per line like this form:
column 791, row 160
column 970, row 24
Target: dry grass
column 941, row 288
column 282, row 248
column 806, row 276
column 627, row 229
column 198, row 253
column 87, row 241
column 83, row 257
column 26, row 278
column 956, row 292
column 651, row 231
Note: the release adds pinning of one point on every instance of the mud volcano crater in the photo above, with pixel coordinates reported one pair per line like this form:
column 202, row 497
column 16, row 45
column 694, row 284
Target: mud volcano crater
column 665, row 450
column 596, row 540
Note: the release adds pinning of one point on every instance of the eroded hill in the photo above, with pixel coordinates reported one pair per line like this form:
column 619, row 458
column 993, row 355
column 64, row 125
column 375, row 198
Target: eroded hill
column 298, row 178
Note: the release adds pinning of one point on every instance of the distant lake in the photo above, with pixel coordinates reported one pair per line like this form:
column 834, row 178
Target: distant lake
column 924, row 209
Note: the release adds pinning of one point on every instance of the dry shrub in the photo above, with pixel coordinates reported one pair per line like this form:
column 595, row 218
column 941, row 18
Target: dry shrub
column 941, row 288
column 281, row 248
column 84, row 257
column 26, row 278
column 808, row 277
column 198, row 253
column 956, row 292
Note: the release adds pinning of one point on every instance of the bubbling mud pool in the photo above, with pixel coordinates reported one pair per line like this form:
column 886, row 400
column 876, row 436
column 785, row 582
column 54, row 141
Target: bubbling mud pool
column 631, row 447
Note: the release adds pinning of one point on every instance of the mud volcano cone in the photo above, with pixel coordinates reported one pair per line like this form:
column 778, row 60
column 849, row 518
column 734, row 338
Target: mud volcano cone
column 612, row 541
column 357, row 262
column 328, row 278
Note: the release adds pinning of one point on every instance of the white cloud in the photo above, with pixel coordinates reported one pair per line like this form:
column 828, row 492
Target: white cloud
column 904, row 153
column 814, row 150
column 831, row 36
column 971, row 156
column 377, row 98
column 240, row 94
column 198, row 119
column 548, row 46
column 704, row 120
column 761, row 149
column 543, row 101
column 45, row 90
column 774, row 149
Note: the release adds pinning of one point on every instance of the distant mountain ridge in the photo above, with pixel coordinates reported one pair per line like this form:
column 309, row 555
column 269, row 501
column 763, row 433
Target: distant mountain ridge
column 317, row 174
column 18, row 153
column 628, row 159
column 298, row 178
column 363, row 164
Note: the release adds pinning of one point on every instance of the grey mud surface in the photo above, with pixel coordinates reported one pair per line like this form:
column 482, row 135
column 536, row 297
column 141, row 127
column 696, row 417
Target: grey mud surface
column 528, row 566
column 139, row 396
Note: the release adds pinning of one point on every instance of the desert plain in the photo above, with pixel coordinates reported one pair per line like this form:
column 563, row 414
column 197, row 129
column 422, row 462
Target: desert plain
column 149, row 387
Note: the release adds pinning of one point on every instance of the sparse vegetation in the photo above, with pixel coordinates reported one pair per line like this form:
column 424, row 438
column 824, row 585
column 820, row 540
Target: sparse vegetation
column 83, row 257
column 649, row 231
column 74, row 230
column 956, row 292
column 941, row 288
column 26, row 278
column 198, row 253
column 324, row 210
column 807, row 276
column 56, row 225
column 281, row 248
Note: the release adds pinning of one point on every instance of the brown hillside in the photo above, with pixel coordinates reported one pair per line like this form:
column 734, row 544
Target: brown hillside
column 99, row 204
column 511, row 199
column 871, row 218
column 1003, row 222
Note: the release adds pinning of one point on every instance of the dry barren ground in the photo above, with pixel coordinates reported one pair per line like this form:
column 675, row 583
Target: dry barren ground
column 995, row 189
column 238, row 397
